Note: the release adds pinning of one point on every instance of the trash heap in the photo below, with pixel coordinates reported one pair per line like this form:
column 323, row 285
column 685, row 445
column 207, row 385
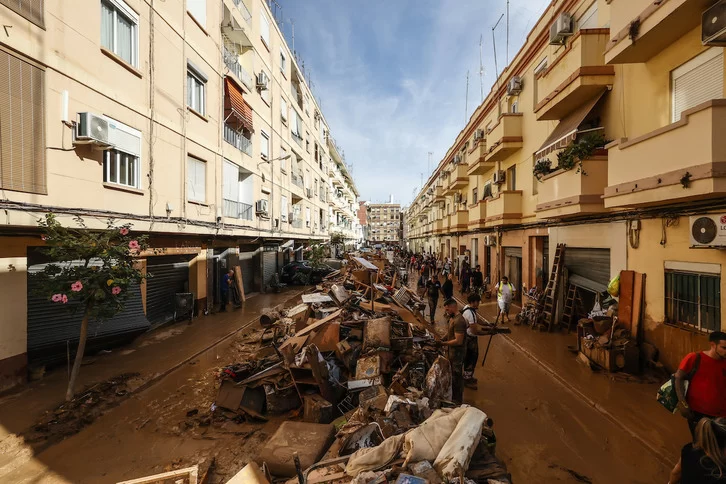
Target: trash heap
column 357, row 361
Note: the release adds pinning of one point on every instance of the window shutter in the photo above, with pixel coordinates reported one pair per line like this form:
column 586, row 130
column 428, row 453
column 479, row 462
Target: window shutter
column 31, row 10
column 230, row 180
column 196, row 180
column 265, row 29
column 198, row 9
column 22, row 126
column 697, row 81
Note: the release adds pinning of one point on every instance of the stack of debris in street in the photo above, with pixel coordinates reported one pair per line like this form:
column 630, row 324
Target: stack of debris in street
column 357, row 361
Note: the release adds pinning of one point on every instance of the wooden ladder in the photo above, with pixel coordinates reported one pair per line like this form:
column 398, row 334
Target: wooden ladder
column 572, row 303
column 553, row 287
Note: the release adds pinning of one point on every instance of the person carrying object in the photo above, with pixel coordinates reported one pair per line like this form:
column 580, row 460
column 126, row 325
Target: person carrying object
column 505, row 295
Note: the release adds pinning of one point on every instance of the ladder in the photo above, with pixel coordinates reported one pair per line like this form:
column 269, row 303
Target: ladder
column 572, row 303
column 553, row 286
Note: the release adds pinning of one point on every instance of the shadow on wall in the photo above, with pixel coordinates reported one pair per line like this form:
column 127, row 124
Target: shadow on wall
column 674, row 343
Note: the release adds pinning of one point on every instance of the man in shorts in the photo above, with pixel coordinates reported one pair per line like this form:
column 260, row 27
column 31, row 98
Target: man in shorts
column 505, row 295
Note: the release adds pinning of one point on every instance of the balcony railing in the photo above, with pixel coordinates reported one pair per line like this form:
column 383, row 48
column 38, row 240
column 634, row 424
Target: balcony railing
column 235, row 209
column 243, row 10
column 232, row 63
column 297, row 179
column 238, row 140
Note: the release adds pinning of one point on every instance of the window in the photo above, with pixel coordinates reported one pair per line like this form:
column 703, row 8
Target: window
column 31, row 10
column 265, row 93
column 198, row 9
column 487, row 191
column 474, row 194
column 307, row 141
column 283, row 208
column 283, row 62
column 283, row 160
column 589, row 18
column 693, row 298
column 512, row 178
column 196, row 87
column 120, row 168
column 307, row 216
column 264, row 145
column 283, row 110
column 697, row 81
column 196, row 180
column 513, row 107
column 120, row 30
column 265, row 29
column 22, row 126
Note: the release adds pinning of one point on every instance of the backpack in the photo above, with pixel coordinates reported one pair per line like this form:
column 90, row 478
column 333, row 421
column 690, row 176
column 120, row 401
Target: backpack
column 667, row 395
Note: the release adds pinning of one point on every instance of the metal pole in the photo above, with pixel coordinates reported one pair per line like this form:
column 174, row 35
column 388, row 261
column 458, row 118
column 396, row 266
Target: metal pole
column 466, row 103
column 507, row 32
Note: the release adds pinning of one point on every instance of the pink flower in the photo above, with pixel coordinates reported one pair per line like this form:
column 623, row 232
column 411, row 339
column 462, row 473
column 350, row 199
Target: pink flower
column 77, row 286
column 43, row 237
column 57, row 298
column 124, row 231
column 116, row 290
column 134, row 245
column 64, row 299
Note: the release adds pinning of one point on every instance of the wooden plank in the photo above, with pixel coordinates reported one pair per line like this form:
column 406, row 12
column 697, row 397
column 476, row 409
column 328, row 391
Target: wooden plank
column 239, row 283
column 320, row 323
column 638, row 298
column 625, row 301
column 191, row 473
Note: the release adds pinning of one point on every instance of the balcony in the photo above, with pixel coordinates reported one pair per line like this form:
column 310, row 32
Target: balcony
column 660, row 25
column 238, row 140
column 679, row 162
column 505, row 138
column 235, row 209
column 231, row 60
column 446, row 224
column 237, row 23
column 459, row 221
column 439, row 194
column 438, row 225
column 568, row 193
column 577, row 76
column 458, row 179
column 477, row 160
column 477, row 215
column 504, row 209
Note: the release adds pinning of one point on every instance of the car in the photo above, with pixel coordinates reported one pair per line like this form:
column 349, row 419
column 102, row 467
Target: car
column 302, row 272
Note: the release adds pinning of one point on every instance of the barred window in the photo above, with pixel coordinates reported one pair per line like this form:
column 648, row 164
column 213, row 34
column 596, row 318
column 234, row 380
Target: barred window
column 693, row 299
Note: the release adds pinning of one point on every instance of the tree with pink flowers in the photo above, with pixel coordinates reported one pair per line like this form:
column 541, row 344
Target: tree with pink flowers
column 91, row 271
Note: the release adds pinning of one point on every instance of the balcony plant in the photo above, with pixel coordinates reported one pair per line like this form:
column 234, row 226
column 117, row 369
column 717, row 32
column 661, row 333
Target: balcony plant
column 90, row 272
column 542, row 167
column 582, row 149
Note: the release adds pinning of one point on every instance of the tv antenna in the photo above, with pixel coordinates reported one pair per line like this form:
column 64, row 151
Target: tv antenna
column 481, row 68
column 466, row 103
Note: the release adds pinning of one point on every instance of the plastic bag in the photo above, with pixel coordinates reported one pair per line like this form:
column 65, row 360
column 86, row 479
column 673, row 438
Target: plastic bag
column 614, row 286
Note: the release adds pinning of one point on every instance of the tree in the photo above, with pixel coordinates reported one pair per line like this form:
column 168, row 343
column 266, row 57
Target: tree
column 89, row 271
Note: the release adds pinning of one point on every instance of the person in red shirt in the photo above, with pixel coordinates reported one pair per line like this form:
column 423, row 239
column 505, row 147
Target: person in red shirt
column 706, row 373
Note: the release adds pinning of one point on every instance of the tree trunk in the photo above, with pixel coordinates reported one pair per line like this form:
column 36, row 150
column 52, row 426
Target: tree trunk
column 70, row 392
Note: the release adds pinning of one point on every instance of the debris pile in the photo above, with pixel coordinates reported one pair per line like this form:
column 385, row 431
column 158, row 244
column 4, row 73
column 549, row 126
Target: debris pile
column 358, row 362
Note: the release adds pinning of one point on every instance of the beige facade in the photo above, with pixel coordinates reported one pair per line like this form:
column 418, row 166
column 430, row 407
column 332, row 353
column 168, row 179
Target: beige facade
column 512, row 186
column 201, row 131
column 343, row 198
column 384, row 223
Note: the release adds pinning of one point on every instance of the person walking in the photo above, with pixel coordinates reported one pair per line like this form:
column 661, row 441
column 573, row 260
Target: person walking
column 456, row 344
column 433, row 288
column 505, row 295
column 227, row 280
column 447, row 288
column 465, row 275
column 447, row 266
column 472, row 339
column 703, row 461
column 477, row 280
column 705, row 372
column 439, row 265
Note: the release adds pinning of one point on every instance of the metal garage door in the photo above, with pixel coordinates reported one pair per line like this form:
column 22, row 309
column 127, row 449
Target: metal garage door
column 53, row 330
column 247, row 262
column 513, row 268
column 269, row 265
column 513, row 252
column 588, row 268
column 169, row 275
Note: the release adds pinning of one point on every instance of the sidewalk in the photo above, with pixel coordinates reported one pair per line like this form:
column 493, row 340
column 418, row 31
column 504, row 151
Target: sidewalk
column 630, row 405
column 153, row 355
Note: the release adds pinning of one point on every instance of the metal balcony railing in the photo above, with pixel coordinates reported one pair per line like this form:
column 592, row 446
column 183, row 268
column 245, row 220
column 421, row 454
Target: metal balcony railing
column 235, row 209
column 232, row 63
column 238, row 140
column 244, row 11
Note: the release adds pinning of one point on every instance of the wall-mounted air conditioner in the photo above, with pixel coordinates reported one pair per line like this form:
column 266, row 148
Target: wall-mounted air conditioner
column 713, row 25
column 261, row 207
column 91, row 129
column 561, row 28
column 478, row 134
column 457, row 159
column 262, row 81
column 490, row 240
column 515, row 86
column 499, row 177
column 708, row 230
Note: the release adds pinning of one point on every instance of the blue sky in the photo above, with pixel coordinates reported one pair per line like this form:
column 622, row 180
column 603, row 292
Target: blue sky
column 391, row 77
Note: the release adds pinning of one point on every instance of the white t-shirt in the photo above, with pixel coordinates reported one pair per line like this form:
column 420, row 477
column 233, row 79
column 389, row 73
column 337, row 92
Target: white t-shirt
column 470, row 318
column 506, row 292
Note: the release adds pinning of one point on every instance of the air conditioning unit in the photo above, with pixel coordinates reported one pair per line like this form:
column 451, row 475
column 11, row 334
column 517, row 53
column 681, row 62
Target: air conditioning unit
column 91, row 129
column 515, row 86
column 490, row 240
column 708, row 230
column 561, row 29
column 713, row 25
column 457, row 197
column 261, row 207
column 457, row 159
column 123, row 138
column 262, row 81
column 478, row 134
column 499, row 177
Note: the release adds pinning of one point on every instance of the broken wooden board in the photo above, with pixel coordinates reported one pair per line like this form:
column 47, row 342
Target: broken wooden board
column 327, row 338
column 316, row 298
column 292, row 347
column 188, row 475
column 365, row 264
column 250, row 474
column 299, row 314
column 238, row 281
column 320, row 323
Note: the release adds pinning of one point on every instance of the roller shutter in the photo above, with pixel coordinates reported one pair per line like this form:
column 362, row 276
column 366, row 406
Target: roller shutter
column 53, row 330
column 513, row 252
column 168, row 276
column 269, row 265
column 588, row 268
column 247, row 264
column 697, row 81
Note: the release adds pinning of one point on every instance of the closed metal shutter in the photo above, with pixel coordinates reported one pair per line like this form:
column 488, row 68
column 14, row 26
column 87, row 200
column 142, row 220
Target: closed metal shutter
column 31, row 10
column 168, row 276
column 588, row 268
column 53, row 330
column 513, row 252
column 697, row 81
column 247, row 264
column 269, row 266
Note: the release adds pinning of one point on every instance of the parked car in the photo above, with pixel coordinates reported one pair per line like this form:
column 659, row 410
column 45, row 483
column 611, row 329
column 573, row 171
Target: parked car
column 298, row 272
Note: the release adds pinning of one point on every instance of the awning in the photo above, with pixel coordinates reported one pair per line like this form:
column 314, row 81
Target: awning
column 236, row 110
column 566, row 131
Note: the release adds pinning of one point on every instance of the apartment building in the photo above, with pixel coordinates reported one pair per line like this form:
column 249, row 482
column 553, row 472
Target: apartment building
column 384, row 223
column 601, row 134
column 343, row 198
column 192, row 120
